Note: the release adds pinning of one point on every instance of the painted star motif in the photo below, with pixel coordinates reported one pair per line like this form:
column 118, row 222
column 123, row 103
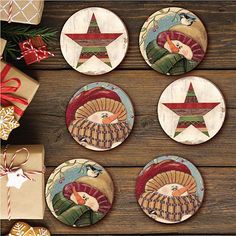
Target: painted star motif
column 7, row 122
column 191, row 112
column 94, row 43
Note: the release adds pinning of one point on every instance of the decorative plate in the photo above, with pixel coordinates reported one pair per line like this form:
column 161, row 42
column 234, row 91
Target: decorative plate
column 169, row 189
column 79, row 192
column 94, row 41
column 100, row 116
column 191, row 110
column 173, row 41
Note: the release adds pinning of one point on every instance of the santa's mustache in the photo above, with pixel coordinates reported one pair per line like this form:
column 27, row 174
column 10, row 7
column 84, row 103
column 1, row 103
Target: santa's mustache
column 99, row 135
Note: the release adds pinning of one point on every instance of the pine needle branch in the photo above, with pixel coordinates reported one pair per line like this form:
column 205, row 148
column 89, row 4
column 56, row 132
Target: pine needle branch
column 18, row 33
column 15, row 33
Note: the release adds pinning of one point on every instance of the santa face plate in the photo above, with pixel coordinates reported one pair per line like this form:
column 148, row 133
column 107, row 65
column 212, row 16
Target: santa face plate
column 100, row 116
column 169, row 189
column 191, row 110
column 94, row 41
column 79, row 192
column 173, row 41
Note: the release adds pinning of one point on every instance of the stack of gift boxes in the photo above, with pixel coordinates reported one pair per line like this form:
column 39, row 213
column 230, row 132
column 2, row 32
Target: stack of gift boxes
column 22, row 166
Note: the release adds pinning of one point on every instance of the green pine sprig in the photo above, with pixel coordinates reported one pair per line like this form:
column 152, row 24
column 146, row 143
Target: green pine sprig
column 15, row 33
column 21, row 32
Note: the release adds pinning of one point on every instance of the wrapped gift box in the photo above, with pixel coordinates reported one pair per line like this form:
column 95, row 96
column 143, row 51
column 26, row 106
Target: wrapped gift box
column 3, row 43
column 27, row 202
column 22, row 11
column 34, row 50
column 20, row 97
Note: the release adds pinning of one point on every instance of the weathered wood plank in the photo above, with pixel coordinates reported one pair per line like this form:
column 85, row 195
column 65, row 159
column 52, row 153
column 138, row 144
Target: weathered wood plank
column 216, row 216
column 44, row 120
column 218, row 17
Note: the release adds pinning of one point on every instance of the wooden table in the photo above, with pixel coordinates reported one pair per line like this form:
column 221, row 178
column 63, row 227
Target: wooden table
column 44, row 121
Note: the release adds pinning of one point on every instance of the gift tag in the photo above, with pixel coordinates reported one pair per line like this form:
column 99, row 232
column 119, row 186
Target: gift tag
column 169, row 189
column 100, row 116
column 94, row 41
column 173, row 41
column 16, row 178
column 191, row 110
column 79, row 192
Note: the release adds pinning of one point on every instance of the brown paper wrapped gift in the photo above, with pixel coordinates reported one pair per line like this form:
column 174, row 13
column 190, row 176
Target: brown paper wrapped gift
column 27, row 202
column 24, row 93
column 3, row 43
column 22, row 11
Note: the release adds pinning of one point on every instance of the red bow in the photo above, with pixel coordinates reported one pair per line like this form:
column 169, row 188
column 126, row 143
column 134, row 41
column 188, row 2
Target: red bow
column 7, row 98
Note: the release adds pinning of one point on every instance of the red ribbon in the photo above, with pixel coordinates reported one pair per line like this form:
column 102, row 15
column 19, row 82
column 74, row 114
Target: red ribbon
column 6, row 92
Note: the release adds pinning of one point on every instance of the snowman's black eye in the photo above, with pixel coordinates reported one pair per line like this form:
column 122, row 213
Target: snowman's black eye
column 104, row 115
column 174, row 188
column 18, row 175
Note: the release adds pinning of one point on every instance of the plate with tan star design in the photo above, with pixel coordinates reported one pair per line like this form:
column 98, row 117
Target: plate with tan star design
column 94, row 41
column 170, row 189
column 100, row 116
column 191, row 110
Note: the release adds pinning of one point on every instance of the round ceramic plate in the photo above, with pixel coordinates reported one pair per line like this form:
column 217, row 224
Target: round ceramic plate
column 173, row 41
column 191, row 110
column 79, row 192
column 169, row 189
column 94, row 41
column 100, row 116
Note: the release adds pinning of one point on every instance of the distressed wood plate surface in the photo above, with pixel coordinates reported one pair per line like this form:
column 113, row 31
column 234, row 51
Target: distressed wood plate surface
column 94, row 41
column 191, row 110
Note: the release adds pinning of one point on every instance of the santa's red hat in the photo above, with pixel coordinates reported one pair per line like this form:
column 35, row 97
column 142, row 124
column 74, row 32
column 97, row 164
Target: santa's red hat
column 86, row 96
column 155, row 169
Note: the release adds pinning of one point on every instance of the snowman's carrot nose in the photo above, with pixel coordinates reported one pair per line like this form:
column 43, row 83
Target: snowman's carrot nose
column 181, row 191
column 110, row 119
column 172, row 46
column 78, row 198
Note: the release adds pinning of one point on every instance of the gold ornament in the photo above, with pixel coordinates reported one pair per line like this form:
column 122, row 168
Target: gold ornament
column 7, row 122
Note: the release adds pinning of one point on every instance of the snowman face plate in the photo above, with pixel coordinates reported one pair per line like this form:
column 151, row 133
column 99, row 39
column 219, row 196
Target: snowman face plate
column 100, row 116
column 191, row 110
column 79, row 192
column 173, row 41
column 94, row 41
column 169, row 189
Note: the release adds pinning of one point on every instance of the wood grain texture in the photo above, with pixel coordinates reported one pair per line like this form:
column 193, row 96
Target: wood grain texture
column 44, row 120
column 127, row 217
column 218, row 17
